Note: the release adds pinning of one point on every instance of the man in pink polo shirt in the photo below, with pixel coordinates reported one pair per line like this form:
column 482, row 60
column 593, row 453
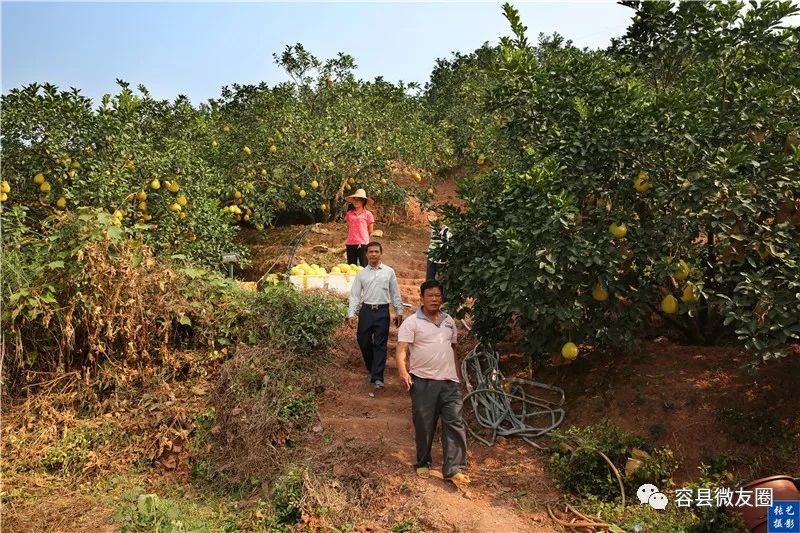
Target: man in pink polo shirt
column 431, row 377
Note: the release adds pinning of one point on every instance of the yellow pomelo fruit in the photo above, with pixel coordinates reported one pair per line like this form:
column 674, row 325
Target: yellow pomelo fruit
column 302, row 193
column 155, row 184
column 642, row 182
column 247, row 150
column 599, row 293
column 175, row 207
column 5, row 187
column 141, row 195
column 569, row 351
column 669, row 304
column 38, row 179
column 689, row 295
column 682, row 272
column 182, row 200
column 45, row 187
column 61, row 203
column 273, row 149
column 618, row 230
column 314, row 184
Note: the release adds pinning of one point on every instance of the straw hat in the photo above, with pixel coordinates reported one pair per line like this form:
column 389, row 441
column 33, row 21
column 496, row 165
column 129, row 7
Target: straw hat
column 360, row 193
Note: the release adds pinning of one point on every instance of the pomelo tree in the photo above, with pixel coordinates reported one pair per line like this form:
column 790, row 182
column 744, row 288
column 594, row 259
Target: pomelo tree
column 456, row 100
column 660, row 176
column 185, row 177
column 305, row 144
column 137, row 157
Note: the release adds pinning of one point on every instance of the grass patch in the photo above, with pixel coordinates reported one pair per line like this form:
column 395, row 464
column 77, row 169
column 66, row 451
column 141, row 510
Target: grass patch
column 409, row 525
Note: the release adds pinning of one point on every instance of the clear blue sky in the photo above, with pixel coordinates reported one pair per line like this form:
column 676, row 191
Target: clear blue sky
column 196, row 48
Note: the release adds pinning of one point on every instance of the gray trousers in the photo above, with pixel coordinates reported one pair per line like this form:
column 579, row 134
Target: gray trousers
column 430, row 400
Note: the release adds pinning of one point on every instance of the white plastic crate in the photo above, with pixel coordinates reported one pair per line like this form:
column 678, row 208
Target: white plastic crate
column 340, row 283
column 305, row 283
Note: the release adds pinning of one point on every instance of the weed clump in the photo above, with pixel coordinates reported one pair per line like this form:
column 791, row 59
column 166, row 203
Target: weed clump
column 578, row 466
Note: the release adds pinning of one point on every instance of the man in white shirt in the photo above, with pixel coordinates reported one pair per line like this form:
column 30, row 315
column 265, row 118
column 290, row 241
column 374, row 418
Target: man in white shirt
column 432, row 379
column 374, row 289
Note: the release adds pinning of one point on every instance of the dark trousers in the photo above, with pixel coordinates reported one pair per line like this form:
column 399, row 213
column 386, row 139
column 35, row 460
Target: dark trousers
column 430, row 400
column 431, row 271
column 357, row 254
column 373, row 332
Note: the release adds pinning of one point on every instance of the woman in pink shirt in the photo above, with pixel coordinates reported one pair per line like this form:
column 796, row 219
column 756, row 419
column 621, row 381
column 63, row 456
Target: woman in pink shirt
column 360, row 224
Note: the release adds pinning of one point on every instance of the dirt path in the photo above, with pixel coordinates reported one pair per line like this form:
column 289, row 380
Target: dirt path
column 509, row 487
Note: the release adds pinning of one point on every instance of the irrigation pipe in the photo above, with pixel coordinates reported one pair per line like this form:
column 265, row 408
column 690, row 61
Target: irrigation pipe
column 506, row 407
column 294, row 244
column 295, row 247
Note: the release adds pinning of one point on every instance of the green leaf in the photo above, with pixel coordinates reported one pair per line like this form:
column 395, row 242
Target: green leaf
column 115, row 233
column 49, row 298
column 193, row 273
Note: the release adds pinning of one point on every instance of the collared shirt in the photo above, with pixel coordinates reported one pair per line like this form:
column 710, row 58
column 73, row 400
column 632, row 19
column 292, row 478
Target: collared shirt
column 430, row 345
column 375, row 286
column 358, row 226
